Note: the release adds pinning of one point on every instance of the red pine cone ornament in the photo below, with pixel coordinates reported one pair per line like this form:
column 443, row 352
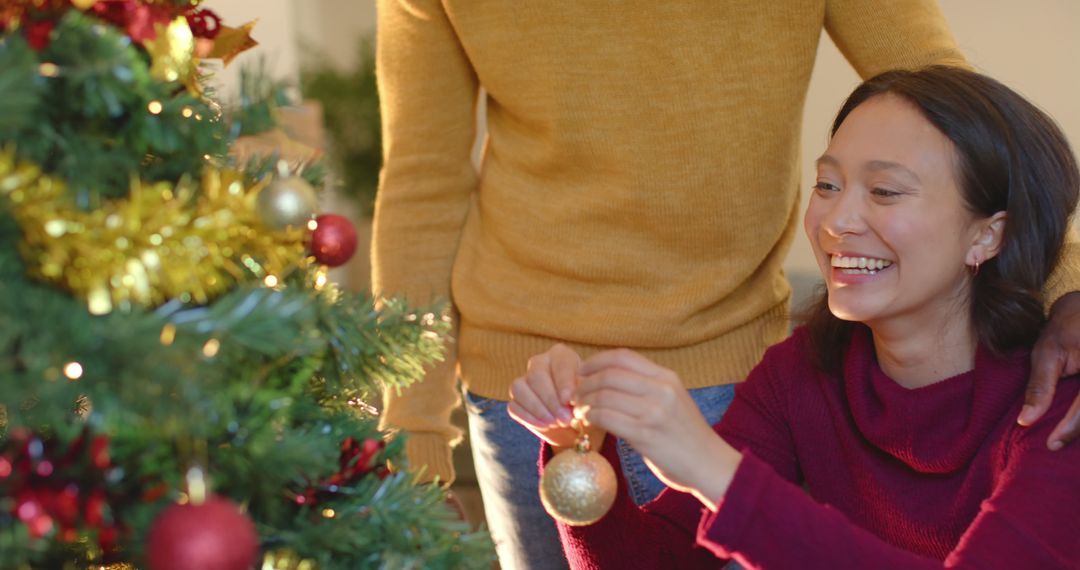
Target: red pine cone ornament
column 60, row 489
column 333, row 242
column 214, row 535
column 356, row 460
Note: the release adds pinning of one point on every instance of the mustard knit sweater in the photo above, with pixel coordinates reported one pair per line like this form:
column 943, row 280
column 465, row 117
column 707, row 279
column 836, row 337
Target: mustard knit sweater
column 639, row 182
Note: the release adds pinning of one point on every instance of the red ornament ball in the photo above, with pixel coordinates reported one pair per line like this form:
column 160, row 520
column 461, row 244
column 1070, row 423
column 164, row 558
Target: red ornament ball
column 333, row 242
column 212, row 536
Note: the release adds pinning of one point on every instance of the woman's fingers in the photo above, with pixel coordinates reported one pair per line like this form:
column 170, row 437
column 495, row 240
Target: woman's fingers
column 564, row 364
column 524, row 416
column 620, row 380
column 612, row 421
column 637, row 407
column 606, row 398
column 524, row 399
column 540, row 380
column 548, row 431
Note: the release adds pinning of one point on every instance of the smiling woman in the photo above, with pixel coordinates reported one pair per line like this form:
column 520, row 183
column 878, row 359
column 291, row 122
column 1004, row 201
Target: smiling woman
column 931, row 179
column 887, row 192
column 939, row 210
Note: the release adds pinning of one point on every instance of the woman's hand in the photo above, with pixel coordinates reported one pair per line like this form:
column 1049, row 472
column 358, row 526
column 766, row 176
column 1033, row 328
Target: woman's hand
column 646, row 405
column 540, row 400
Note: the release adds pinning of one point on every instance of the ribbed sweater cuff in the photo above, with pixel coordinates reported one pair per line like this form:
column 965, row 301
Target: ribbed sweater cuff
column 1066, row 276
column 719, row 531
column 492, row 359
column 430, row 457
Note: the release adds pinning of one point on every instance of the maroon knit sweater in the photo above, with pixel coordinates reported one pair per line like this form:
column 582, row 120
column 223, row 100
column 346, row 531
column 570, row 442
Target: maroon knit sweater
column 939, row 476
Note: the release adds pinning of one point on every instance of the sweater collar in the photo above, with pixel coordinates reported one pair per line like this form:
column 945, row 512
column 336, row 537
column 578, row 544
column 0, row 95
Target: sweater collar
column 936, row 428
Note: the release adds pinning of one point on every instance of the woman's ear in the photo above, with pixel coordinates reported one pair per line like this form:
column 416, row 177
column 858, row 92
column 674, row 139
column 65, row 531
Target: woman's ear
column 987, row 241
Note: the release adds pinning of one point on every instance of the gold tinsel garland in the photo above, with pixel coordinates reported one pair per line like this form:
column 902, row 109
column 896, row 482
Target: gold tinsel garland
column 285, row 559
column 163, row 242
column 281, row 559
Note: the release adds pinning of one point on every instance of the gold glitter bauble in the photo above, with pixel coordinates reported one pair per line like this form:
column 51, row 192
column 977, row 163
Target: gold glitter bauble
column 578, row 486
column 286, row 202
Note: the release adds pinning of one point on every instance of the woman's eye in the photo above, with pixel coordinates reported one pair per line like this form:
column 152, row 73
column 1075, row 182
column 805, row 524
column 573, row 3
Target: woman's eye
column 884, row 193
column 825, row 187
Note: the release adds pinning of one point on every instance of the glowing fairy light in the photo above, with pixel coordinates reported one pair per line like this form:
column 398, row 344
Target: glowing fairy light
column 211, row 348
column 73, row 370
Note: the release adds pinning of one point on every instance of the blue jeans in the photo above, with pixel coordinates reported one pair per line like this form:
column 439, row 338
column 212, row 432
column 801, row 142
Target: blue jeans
column 505, row 454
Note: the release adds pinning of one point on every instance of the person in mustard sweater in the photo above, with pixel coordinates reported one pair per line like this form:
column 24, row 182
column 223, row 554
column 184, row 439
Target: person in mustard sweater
column 638, row 187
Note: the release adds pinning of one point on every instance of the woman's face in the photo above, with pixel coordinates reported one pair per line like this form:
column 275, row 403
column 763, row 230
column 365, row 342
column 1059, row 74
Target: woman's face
column 886, row 220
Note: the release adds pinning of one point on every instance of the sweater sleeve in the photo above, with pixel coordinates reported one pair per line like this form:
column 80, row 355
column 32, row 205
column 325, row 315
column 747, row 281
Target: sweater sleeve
column 879, row 36
column 428, row 92
column 768, row 523
column 757, row 420
column 1066, row 275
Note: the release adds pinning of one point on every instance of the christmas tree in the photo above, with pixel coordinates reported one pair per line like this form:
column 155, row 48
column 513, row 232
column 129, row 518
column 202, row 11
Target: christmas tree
column 180, row 385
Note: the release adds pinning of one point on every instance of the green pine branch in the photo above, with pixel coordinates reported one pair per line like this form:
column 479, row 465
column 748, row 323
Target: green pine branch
column 259, row 388
column 88, row 118
column 20, row 85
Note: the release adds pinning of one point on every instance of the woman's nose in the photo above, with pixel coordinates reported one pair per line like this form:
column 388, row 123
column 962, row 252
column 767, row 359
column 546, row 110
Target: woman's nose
column 844, row 215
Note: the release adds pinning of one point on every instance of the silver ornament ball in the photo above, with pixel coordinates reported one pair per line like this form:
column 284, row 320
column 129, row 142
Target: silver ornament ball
column 285, row 202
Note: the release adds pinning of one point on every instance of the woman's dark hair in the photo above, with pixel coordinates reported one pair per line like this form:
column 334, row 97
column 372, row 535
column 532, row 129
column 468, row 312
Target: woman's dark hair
column 1010, row 157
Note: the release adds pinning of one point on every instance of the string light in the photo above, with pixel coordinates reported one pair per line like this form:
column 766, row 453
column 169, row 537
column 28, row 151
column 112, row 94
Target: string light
column 73, row 370
column 154, row 107
column 48, row 70
column 196, row 486
column 168, row 334
column 362, row 405
column 210, row 349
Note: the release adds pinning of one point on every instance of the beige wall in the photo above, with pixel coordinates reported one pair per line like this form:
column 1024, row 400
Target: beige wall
column 331, row 27
column 291, row 31
column 275, row 31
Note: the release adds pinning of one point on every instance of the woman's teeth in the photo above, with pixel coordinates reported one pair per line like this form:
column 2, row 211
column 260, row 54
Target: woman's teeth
column 859, row 265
